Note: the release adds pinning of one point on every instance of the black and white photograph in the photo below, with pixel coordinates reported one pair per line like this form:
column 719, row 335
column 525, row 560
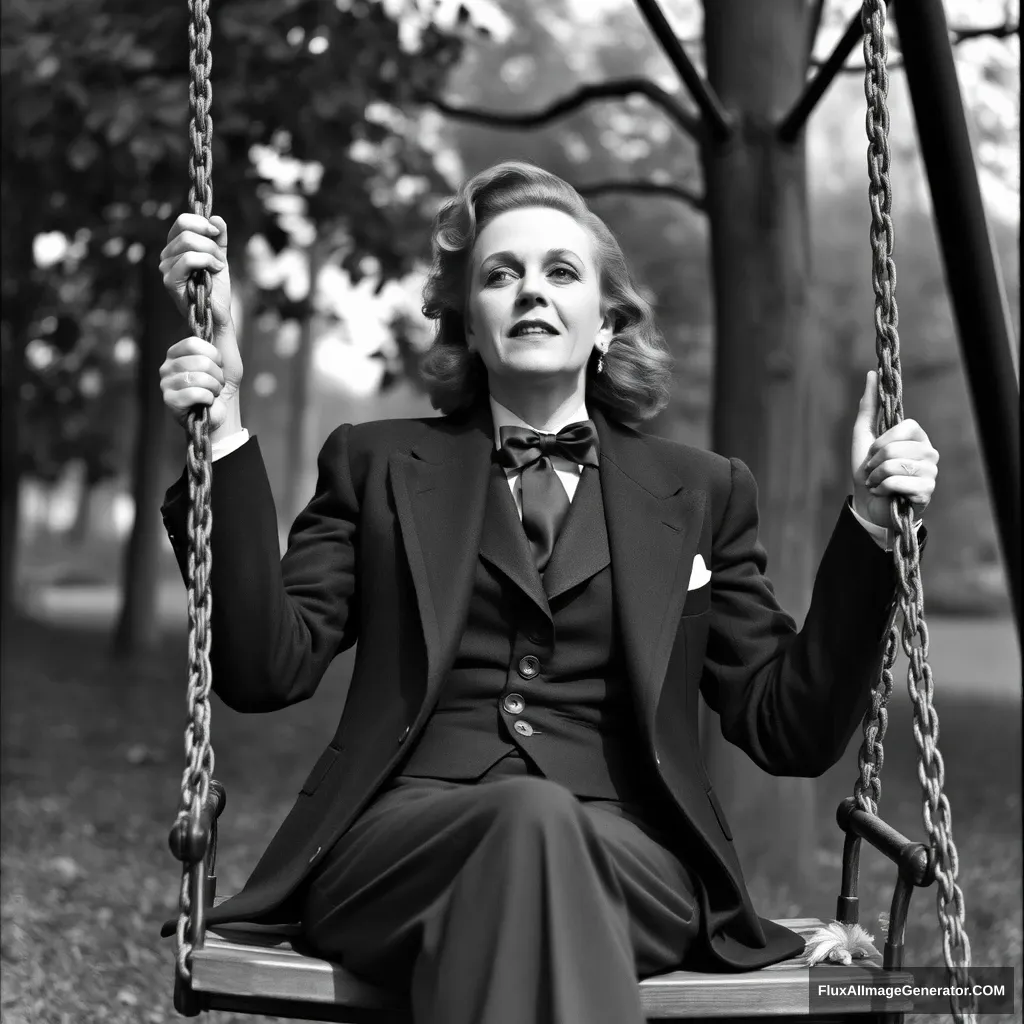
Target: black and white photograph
column 510, row 511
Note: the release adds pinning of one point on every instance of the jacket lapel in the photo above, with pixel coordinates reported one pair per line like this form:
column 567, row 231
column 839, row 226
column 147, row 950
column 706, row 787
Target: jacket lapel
column 654, row 526
column 440, row 491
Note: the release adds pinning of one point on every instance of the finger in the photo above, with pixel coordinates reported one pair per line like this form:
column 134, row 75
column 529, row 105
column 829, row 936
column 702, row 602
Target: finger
column 865, row 422
column 869, row 397
column 905, row 430
column 188, row 379
column 896, row 468
column 913, row 450
column 917, row 489
column 194, row 365
column 193, row 346
column 192, row 222
column 182, row 267
column 220, row 226
column 191, row 240
column 181, row 399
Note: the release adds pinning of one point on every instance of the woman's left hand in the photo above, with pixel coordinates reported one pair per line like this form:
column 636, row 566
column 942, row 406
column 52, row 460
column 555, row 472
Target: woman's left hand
column 901, row 461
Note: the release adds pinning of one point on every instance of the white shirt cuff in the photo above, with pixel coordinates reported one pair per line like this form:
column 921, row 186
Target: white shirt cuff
column 881, row 536
column 228, row 444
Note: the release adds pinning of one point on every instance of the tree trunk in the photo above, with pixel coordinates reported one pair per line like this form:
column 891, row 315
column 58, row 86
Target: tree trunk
column 138, row 628
column 78, row 532
column 13, row 347
column 295, row 463
column 19, row 296
column 765, row 410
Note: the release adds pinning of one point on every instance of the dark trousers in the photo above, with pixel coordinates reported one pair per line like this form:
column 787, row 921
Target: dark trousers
column 503, row 901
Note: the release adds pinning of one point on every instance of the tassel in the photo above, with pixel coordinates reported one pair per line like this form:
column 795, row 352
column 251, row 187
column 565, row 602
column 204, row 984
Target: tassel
column 838, row 944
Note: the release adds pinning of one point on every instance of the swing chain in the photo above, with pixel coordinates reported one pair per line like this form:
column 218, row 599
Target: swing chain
column 195, row 781
column 867, row 790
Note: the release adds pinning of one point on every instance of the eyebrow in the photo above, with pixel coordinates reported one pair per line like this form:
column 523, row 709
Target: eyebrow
column 507, row 255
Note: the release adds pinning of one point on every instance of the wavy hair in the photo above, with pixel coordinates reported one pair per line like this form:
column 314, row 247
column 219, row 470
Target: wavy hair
column 636, row 382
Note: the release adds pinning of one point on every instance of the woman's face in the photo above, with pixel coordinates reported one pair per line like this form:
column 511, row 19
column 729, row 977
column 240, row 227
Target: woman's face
column 534, row 297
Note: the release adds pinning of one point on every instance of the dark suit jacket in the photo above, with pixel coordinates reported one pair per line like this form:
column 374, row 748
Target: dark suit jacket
column 384, row 553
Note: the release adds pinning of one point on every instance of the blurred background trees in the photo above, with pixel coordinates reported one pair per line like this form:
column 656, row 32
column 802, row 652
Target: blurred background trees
column 95, row 144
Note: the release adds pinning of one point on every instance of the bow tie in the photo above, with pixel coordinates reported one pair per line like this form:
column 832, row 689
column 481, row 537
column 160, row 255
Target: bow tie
column 521, row 446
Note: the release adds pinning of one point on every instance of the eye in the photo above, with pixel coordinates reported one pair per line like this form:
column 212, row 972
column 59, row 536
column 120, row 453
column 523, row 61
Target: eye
column 564, row 273
column 499, row 276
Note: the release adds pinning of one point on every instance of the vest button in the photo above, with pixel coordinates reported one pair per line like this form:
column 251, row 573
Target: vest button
column 513, row 703
column 523, row 728
column 529, row 666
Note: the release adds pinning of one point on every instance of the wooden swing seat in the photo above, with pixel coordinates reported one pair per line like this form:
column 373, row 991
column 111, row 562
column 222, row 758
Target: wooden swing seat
column 258, row 970
column 264, row 969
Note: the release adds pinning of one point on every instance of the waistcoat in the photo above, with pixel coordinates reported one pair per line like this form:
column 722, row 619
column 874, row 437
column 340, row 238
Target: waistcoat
column 539, row 671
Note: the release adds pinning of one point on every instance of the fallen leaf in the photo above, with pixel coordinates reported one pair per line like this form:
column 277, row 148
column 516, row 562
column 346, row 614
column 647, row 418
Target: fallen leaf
column 66, row 869
column 139, row 753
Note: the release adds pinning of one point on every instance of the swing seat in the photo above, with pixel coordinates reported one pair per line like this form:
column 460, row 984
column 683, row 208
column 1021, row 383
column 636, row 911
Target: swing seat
column 259, row 970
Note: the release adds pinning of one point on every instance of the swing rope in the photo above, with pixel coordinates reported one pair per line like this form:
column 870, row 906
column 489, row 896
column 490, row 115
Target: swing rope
column 195, row 781
column 914, row 635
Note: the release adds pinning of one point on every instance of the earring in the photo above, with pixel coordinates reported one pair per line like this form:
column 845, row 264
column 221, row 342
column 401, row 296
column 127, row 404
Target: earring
column 600, row 363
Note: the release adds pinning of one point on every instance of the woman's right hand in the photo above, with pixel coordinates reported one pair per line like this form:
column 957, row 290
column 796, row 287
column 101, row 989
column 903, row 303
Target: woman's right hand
column 197, row 372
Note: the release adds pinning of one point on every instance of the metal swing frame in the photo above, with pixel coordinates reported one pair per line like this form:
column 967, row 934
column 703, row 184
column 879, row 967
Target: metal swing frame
column 258, row 969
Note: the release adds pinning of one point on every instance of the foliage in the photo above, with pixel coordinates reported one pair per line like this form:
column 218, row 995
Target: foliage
column 95, row 137
column 96, row 106
column 76, row 392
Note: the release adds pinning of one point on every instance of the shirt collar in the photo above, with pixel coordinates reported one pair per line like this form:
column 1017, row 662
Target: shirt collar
column 506, row 418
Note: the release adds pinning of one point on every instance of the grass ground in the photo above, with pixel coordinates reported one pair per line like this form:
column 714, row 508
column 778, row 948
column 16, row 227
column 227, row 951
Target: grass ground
column 92, row 757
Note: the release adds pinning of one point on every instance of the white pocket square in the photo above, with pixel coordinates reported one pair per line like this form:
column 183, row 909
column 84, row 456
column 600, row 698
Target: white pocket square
column 699, row 574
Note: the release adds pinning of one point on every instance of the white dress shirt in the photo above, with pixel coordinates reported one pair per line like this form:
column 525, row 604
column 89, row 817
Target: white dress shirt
column 567, row 472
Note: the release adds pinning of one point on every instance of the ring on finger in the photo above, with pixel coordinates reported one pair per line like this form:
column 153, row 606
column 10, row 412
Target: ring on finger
column 188, row 379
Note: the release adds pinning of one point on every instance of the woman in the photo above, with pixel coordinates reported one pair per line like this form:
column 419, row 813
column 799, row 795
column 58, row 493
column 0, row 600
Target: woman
column 513, row 817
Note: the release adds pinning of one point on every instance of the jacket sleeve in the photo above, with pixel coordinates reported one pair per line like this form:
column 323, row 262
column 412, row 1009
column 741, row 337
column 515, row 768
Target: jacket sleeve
column 276, row 622
column 792, row 699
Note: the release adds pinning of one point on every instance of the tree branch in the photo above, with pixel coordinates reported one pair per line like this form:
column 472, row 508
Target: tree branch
column 956, row 37
column 615, row 89
column 649, row 188
column 996, row 31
